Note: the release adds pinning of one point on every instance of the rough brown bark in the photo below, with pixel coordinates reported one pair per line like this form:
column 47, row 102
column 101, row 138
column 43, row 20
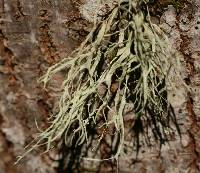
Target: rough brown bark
column 35, row 35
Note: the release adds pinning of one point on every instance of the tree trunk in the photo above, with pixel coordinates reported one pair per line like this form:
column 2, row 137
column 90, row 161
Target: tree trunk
column 36, row 34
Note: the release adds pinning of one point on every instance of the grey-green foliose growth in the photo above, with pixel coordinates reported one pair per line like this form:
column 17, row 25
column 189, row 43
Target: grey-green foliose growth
column 125, row 59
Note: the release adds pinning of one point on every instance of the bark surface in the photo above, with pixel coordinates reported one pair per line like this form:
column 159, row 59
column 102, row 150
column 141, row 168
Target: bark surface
column 36, row 34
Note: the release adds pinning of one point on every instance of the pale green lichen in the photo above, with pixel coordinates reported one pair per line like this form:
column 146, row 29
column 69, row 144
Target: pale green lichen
column 126, row 49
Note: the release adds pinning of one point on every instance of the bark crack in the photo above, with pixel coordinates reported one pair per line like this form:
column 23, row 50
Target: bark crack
column 193, row 127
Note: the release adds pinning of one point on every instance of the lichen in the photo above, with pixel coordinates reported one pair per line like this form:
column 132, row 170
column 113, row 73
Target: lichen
column 131, row 58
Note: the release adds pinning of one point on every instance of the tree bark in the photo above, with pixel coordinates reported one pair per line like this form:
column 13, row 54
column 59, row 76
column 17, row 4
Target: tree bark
column 36, row 34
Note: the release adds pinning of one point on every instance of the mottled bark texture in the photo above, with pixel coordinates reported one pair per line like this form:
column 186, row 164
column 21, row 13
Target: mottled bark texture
column 36, row 34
